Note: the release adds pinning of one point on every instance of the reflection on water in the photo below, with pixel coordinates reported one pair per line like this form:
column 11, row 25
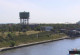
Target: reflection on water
column 61, row 47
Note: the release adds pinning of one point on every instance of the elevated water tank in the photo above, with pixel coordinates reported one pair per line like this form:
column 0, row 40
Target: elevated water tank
column 24, row 15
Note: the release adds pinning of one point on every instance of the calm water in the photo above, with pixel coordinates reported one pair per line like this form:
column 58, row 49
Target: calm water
column 52, row 48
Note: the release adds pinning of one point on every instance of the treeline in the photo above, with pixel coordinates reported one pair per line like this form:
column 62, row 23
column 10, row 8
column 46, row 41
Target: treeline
column 18, row 27
column 62, row 26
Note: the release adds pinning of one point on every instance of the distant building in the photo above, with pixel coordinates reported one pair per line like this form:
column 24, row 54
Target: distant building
column 32, row 26
column 78, row 22
column 46, row 28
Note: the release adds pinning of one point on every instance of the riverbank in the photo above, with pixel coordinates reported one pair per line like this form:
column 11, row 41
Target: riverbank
column 11, row 39
column 30, row 44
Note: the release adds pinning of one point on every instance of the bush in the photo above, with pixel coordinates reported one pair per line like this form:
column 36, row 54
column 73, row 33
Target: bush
column 12, row 43
column 1, row 39
column 10, row 36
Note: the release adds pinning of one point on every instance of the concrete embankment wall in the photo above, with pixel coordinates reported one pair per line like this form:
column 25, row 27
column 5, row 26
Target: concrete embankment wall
column 30, row 44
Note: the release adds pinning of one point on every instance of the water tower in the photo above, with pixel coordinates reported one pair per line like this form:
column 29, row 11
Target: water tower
column 24, row 18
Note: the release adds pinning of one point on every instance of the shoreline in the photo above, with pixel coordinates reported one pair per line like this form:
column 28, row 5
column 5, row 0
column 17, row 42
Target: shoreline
column 30, row 44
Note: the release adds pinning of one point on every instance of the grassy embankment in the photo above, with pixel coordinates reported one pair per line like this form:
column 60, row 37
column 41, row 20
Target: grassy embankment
column 26, row 37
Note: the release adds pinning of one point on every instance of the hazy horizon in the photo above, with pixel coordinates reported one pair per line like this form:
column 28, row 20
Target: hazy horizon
column 41, row 11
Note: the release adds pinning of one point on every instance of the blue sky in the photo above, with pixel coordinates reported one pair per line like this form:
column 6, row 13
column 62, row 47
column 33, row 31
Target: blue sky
column 41, row 11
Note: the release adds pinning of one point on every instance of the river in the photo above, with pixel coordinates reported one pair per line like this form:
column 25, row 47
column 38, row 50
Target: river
column 60, row 47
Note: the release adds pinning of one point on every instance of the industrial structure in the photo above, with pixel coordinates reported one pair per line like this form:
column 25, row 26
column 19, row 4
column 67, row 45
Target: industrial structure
column 24, row 18
column 46, row 28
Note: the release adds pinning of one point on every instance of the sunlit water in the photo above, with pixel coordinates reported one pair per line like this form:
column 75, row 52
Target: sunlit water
column 60, row 47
